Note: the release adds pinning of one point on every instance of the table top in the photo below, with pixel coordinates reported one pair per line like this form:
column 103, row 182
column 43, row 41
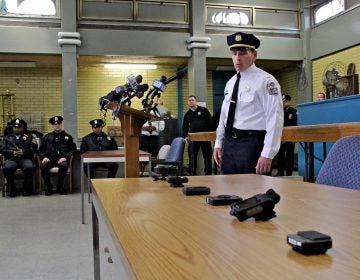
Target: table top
column 301, row 133
column 163, row 234
column 109, row 154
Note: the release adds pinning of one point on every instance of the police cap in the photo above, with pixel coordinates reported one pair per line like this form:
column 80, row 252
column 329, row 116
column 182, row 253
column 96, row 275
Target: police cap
column 56, row 120
column 19, row 123
column 286, row 97
column 96, row 123
column 240, row 40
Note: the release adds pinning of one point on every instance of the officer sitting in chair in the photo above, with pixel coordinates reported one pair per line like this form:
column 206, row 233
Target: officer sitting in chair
column 19, row 149
column 99, row 141
column 56, row 149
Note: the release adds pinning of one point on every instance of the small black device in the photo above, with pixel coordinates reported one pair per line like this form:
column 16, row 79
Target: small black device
column 177, row 181
column 310, row 242
column 223, row 199
column 260, row 206
column 198, row 190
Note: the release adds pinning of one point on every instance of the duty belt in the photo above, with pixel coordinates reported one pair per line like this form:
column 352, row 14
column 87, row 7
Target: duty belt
column 239, row 133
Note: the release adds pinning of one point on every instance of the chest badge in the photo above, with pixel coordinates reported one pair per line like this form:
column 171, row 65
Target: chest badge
column 247, row 88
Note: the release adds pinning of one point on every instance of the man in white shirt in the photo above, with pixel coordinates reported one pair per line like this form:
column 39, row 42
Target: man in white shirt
column 249, row 138
column 149, row 139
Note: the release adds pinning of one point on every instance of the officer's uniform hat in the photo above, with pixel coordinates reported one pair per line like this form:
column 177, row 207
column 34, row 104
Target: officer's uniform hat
column 96, row 123
column 19, row 123
column 286, row 97
column 240, row 40
column 56, row 120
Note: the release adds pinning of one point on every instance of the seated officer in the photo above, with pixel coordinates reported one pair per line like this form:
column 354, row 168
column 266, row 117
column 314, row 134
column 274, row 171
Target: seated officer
column 55, row 150
column 99, row 141
column 19, row 149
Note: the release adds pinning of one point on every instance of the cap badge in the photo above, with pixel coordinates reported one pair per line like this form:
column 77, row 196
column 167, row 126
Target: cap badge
column 238, row 38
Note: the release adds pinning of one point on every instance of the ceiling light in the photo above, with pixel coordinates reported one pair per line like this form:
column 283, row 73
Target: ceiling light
column 130, row 66
column 19, row 64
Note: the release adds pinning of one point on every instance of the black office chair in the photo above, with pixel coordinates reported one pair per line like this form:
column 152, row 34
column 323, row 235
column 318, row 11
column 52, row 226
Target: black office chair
column 173, row 162
column 341, row 166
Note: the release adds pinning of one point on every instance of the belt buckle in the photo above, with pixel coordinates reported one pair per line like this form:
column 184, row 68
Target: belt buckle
column 233, row 134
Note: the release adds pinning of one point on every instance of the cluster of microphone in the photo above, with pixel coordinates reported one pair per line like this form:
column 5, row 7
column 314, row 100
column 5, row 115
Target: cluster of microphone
column 123, row 94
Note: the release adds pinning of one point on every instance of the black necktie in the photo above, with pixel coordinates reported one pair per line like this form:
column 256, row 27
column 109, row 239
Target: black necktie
column 231, row 113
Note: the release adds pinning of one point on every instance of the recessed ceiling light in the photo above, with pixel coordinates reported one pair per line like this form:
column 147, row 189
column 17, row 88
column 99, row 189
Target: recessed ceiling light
column 129, row 66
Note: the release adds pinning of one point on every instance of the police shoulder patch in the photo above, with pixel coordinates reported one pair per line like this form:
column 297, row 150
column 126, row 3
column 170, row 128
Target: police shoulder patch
column 272, row 88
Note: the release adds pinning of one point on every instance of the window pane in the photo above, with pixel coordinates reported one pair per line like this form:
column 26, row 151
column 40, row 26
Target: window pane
column 31, row 7
column 328, row 10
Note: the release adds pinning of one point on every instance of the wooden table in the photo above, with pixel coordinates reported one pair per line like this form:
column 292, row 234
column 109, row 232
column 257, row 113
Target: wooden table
column 304, row 133
column 98, row 157
column 158, row 233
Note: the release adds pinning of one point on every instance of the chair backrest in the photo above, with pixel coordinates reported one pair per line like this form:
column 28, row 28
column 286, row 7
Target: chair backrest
column 342, row 165
column 176, row 150
column 163, row 152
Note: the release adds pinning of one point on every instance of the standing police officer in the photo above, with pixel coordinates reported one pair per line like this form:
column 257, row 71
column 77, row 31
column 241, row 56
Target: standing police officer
column 99, row 141
column 55, row 150
column 250, row 126
column 285, row 156
column 198, row 119
column 19, row 149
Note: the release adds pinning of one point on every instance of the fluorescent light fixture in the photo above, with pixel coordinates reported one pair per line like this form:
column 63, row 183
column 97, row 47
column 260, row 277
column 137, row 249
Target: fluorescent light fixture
column 18, row 64
column 130, row 66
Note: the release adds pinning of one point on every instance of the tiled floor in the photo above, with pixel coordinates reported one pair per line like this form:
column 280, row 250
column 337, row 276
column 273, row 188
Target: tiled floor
column 42, row 238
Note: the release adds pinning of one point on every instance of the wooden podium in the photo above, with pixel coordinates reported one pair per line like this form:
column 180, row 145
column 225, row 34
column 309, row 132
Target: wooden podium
column 132, row 121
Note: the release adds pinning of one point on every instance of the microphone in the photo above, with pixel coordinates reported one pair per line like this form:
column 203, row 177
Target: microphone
column 133, row 82
column 123, row 91
column 139, row 93
column 178, row 76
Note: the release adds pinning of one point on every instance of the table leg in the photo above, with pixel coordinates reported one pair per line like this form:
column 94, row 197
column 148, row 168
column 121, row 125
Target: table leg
column 82, row 191
column 96, row 250
column 88, row 182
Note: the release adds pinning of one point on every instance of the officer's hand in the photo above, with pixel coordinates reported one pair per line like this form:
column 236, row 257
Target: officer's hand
column 45, row 160
column 263, row 165
column 18, row 153
column 61, row 160
column 217, row 155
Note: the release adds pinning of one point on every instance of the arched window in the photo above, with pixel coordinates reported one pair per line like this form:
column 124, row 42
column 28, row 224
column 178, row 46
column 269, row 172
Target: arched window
column 329, row 9
column 31, row 7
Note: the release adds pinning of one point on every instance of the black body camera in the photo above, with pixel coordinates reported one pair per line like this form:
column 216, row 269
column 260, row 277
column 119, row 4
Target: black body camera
column 198, row 190
column 309, row 242
column 223, row 199
column 260, row 206
column 177, row 181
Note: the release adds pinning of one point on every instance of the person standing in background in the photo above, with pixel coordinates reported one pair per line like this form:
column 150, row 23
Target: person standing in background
column 149, row 139
column 251, row 120
column 285, row 156
column 197, row 119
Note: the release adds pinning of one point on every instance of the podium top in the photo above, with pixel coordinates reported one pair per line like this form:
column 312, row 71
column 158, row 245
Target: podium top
column 127, row 110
